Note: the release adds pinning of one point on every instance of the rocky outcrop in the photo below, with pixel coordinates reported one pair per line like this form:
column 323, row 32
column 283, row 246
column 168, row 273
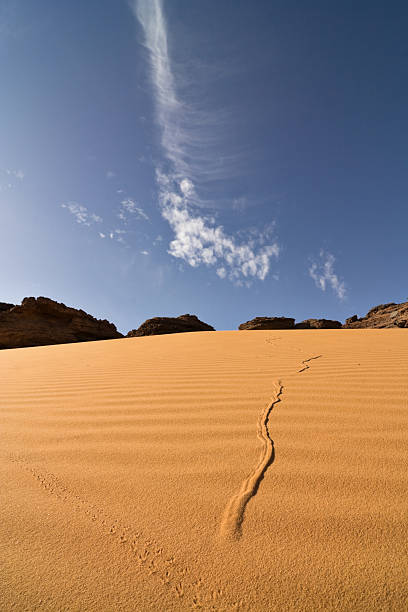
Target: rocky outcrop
column 268, row 323
column 4, row 306
column 318, row 324
column 170, row 325
column 381, row 316
column 40, row 321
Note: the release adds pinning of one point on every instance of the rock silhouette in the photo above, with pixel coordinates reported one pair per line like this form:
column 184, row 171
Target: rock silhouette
column 40, row 321
column 170, row 325
column 268, row 323
column 318, row 324
column 4, row 306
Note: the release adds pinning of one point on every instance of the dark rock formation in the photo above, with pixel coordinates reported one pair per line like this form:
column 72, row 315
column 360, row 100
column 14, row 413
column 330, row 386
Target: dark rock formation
column 318, row 324
column 40, row 321
column 269, row 323
column 4, row 306
column 170, row 325
column 381, row 316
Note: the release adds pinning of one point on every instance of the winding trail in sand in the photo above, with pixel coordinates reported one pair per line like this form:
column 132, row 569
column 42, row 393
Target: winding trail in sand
column 231, row 524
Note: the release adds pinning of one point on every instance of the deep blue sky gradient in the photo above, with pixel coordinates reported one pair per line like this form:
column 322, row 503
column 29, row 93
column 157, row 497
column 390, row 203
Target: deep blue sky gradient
column 315, row 97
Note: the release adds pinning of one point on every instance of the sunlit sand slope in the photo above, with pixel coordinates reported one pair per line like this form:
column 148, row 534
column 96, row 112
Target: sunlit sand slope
column 206, row 471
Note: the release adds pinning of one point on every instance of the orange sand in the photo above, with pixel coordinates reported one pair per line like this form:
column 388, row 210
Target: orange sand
column 206, row 471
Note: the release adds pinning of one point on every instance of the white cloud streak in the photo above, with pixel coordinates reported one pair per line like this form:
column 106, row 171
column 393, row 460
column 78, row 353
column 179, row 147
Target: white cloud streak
column 190, row 143
column 322, row 272
column 190, row 133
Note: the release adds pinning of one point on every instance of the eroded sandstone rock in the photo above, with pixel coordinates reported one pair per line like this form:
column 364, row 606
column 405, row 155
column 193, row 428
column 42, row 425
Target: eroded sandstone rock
column 381, row 316
column 318, row 324
column 4, row 306
column 268, row 323
column 170, row 325
column 40, row 321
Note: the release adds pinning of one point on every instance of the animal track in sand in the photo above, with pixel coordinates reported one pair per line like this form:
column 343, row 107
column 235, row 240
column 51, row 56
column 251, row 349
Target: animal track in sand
column 231, row 524
column 269, row 340
column 305, row 361
column 149, row 556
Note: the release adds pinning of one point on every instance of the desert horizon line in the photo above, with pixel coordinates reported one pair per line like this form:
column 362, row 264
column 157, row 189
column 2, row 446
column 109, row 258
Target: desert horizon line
column 43, row 321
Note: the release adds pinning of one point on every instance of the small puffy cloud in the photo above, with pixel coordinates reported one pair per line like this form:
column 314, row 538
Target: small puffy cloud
column 199, row 241
column 322, row 272
column 117, row 235
column 145, row 252
column 82, row 214
column 102, row 235
column 130, row 207
column 110, row 174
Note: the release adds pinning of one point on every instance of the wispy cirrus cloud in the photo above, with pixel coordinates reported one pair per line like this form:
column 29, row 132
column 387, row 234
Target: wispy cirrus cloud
column 191, row 133
column 81, row 213
column 322, row 272
column 120, row 234
column 130, row 207
column 190, row 141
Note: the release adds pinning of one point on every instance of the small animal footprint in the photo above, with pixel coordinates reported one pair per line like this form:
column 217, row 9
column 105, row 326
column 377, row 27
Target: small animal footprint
column 166, row 578
column 179, row 590
column 216, row 593
column 152, row 567
column 143, row 556
column 197, row 604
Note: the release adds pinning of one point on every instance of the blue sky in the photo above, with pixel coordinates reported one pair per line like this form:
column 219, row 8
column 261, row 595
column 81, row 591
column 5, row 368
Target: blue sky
column 224, row 158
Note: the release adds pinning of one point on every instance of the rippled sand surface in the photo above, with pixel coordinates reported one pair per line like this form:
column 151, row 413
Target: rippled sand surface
column 206, row 471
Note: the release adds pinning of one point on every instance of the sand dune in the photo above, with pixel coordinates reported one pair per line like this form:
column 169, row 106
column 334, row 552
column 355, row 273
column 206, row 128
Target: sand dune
column 206, row 471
